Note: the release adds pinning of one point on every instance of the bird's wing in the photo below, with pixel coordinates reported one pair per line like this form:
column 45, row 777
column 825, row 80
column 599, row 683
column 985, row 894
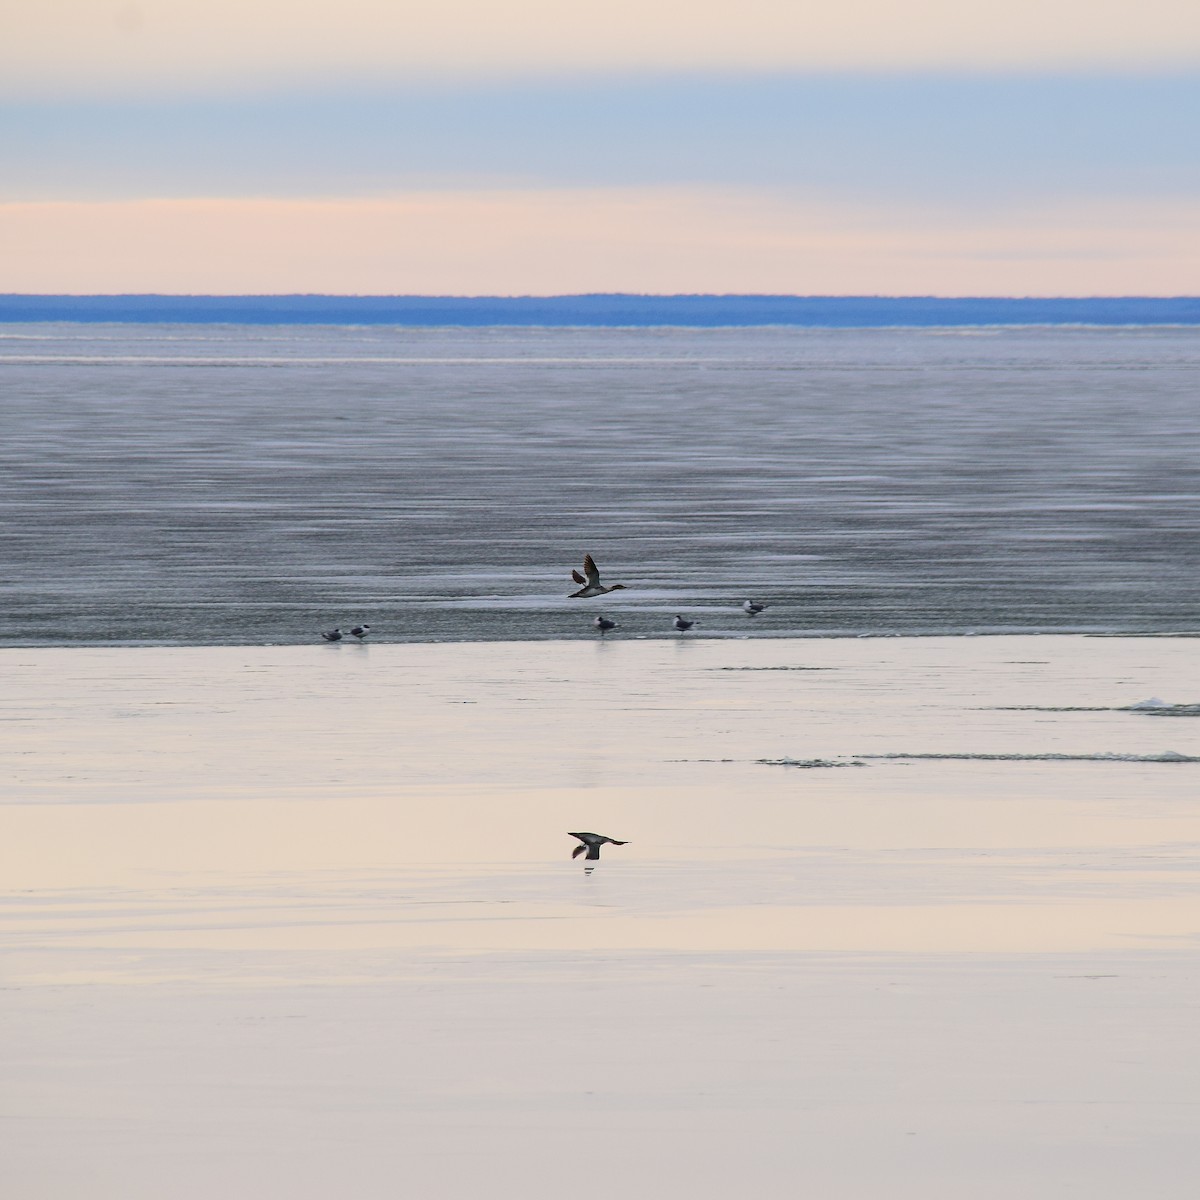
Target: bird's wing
column 593, row 851
column 575, row 575
column 578, row 850
column 591, row 570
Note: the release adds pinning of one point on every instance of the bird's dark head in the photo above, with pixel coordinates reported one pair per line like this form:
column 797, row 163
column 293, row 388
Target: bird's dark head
column 617, row 587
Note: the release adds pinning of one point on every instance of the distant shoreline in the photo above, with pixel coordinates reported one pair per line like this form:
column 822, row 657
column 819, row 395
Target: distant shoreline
column 604, row 311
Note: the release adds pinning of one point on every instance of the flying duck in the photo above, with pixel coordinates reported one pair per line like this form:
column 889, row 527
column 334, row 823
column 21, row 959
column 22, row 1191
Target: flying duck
column 591, row 842
column 591, row 581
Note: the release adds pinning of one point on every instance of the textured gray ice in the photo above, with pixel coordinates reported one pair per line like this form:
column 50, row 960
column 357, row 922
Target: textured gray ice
column 192, row 485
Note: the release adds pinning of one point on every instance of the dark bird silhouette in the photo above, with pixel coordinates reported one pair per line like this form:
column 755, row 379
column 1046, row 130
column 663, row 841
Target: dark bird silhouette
column 334, row 635
column 752, row 610
column 604, row 625
column 591, row 842
column 591, row 581
column 361, row 631
column 682, row 625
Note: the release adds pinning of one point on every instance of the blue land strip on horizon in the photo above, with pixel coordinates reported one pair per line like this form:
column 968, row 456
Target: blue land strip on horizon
column 615, row 310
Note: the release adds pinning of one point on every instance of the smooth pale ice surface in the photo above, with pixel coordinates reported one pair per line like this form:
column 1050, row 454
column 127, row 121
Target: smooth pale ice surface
column 203, row 485
column 301, row 921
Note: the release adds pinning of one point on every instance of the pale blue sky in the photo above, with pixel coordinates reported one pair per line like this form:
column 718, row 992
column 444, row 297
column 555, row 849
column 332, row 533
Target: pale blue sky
column 946, row 139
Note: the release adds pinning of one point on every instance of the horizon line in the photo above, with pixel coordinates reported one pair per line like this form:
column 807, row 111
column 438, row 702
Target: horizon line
column 516, row 296
column 598, row 310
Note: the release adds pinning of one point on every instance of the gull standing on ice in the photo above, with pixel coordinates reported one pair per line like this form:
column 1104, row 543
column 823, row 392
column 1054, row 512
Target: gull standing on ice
column 591, row 584
column 591, row 842
column 361, row 631
column 604, row 625
column 334, row 635
column 682, row 625
column 752, row 610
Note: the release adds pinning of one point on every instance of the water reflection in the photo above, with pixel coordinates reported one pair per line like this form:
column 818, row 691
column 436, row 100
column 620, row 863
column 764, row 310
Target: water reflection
column 184, row 793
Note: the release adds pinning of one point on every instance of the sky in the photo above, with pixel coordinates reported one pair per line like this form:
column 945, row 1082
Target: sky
column 1030, row 147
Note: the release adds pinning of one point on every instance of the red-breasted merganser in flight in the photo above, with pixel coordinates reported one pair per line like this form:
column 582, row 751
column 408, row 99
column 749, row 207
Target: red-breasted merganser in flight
column 592, row 585
column 604, row 625
column 752, row 610
column 591, row 842
column 682, row 625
